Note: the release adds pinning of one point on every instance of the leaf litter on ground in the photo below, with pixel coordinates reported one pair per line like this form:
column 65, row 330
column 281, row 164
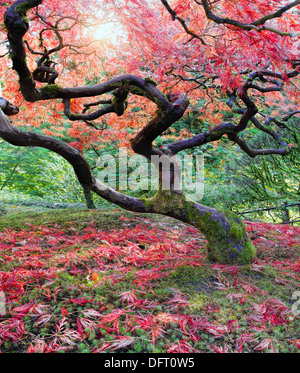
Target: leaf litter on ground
column 146, row 287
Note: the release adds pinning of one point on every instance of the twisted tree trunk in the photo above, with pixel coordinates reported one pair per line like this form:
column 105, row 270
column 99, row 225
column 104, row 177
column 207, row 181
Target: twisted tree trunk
column 228, row 241
column 89, row 199
column 227, row 238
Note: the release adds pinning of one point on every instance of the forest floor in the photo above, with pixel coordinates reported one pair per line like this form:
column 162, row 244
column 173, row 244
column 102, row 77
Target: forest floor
column 114, row 281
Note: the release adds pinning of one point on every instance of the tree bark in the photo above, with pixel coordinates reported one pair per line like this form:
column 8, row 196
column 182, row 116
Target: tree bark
column 228, row 240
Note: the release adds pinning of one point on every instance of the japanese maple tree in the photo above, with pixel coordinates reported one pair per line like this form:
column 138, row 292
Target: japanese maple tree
column 242, row 55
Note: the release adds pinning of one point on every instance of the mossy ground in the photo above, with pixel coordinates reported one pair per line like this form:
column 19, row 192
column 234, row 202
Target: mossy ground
column 19, row 218
column 120, row 282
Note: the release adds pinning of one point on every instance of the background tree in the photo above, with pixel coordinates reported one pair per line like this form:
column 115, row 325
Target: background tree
column 242, row 55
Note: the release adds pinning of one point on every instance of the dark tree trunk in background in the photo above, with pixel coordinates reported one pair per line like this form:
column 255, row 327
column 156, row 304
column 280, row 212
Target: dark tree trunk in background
column 89, row 199
column 286, row 214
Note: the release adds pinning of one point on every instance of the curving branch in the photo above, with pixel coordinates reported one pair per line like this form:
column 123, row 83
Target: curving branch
column 182, row 22
column 215, row 225
column 81, row 167
column 255, row 152
column 142, row 143
column 277, row 14
column 257, row 25
column 248, row 115
column 219, row 131
column 17, row 26
column 290, row 115
column 282, row 122
column 203, row 138
column 235, row 107
column 169, row 109
column 85, row 117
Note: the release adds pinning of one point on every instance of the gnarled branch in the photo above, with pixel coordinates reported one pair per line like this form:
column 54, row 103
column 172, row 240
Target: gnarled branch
column 256, row 25
column 81, row 167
